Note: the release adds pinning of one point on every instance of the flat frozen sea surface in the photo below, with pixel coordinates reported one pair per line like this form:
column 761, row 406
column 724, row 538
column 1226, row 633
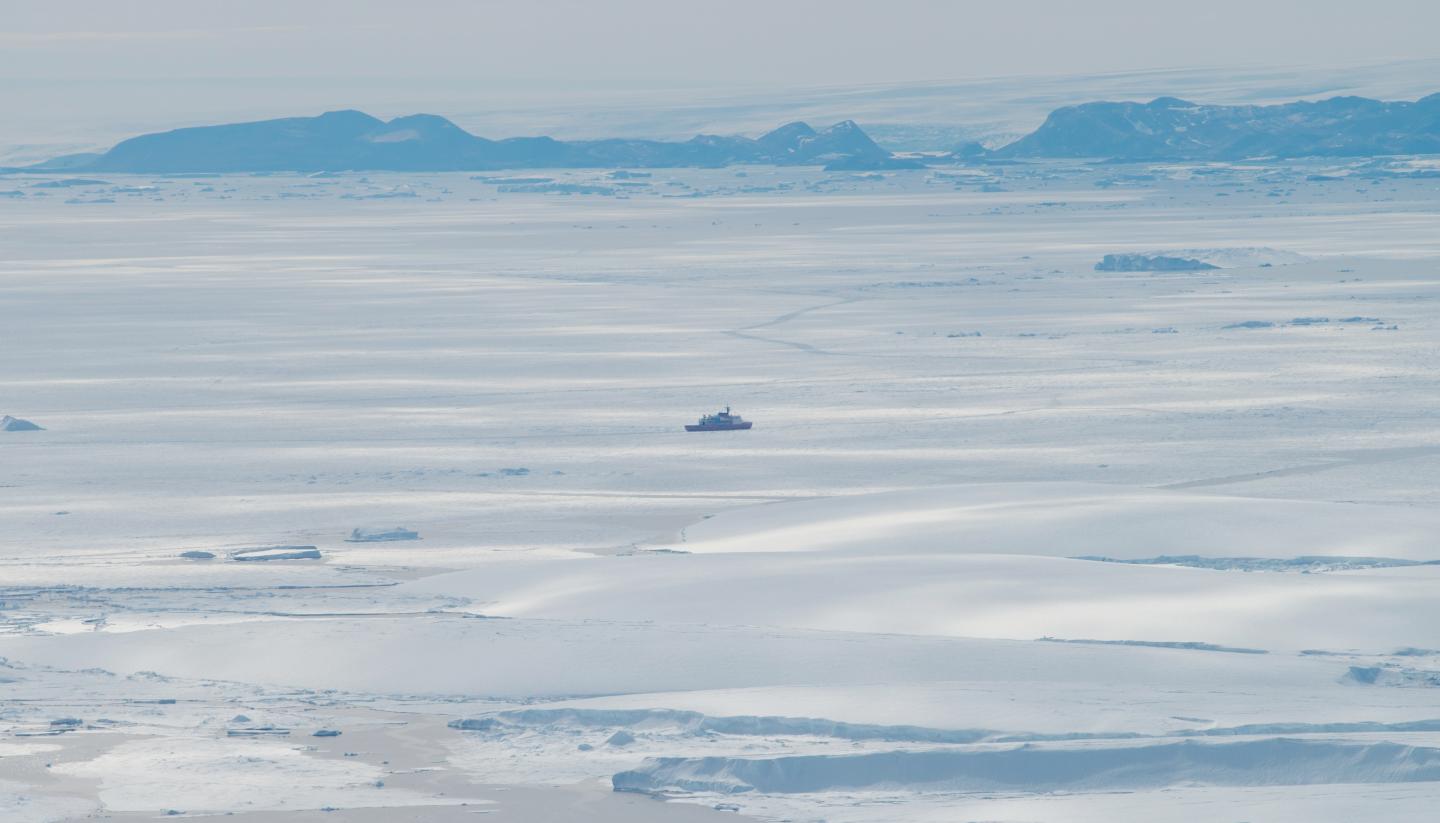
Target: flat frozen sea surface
column 1012, row 539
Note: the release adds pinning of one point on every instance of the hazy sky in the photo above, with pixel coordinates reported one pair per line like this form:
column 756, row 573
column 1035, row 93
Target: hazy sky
column 116, row 65
column 645, row 43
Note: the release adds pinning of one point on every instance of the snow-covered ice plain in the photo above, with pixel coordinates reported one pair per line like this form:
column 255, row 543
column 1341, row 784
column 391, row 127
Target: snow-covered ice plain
column 1012, row 539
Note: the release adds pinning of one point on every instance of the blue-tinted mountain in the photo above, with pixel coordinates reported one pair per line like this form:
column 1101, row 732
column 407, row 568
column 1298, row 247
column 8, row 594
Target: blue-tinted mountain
column 353, row 141
column 841, row 143
column 1171, row 129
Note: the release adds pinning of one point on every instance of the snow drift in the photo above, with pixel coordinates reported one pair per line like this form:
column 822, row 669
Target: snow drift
column 1276, row 762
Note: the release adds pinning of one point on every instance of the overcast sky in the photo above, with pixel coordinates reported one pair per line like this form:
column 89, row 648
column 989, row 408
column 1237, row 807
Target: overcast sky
column 647, row 43
column 109, row 57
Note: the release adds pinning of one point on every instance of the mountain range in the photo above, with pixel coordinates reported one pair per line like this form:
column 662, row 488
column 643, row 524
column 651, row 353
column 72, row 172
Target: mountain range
column 1168, row 128
column 353, row 140
column 1164, row 129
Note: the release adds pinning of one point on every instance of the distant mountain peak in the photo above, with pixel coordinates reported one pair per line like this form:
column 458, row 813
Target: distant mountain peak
column 423, row 120
column 842, row 141
column 347, row 140
column 420, row 127
column 789, row 131
column 1168, row 128
column 351, row 116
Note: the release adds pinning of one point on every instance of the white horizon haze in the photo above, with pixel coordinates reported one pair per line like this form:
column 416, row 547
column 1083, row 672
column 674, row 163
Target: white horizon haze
column 80, row 74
